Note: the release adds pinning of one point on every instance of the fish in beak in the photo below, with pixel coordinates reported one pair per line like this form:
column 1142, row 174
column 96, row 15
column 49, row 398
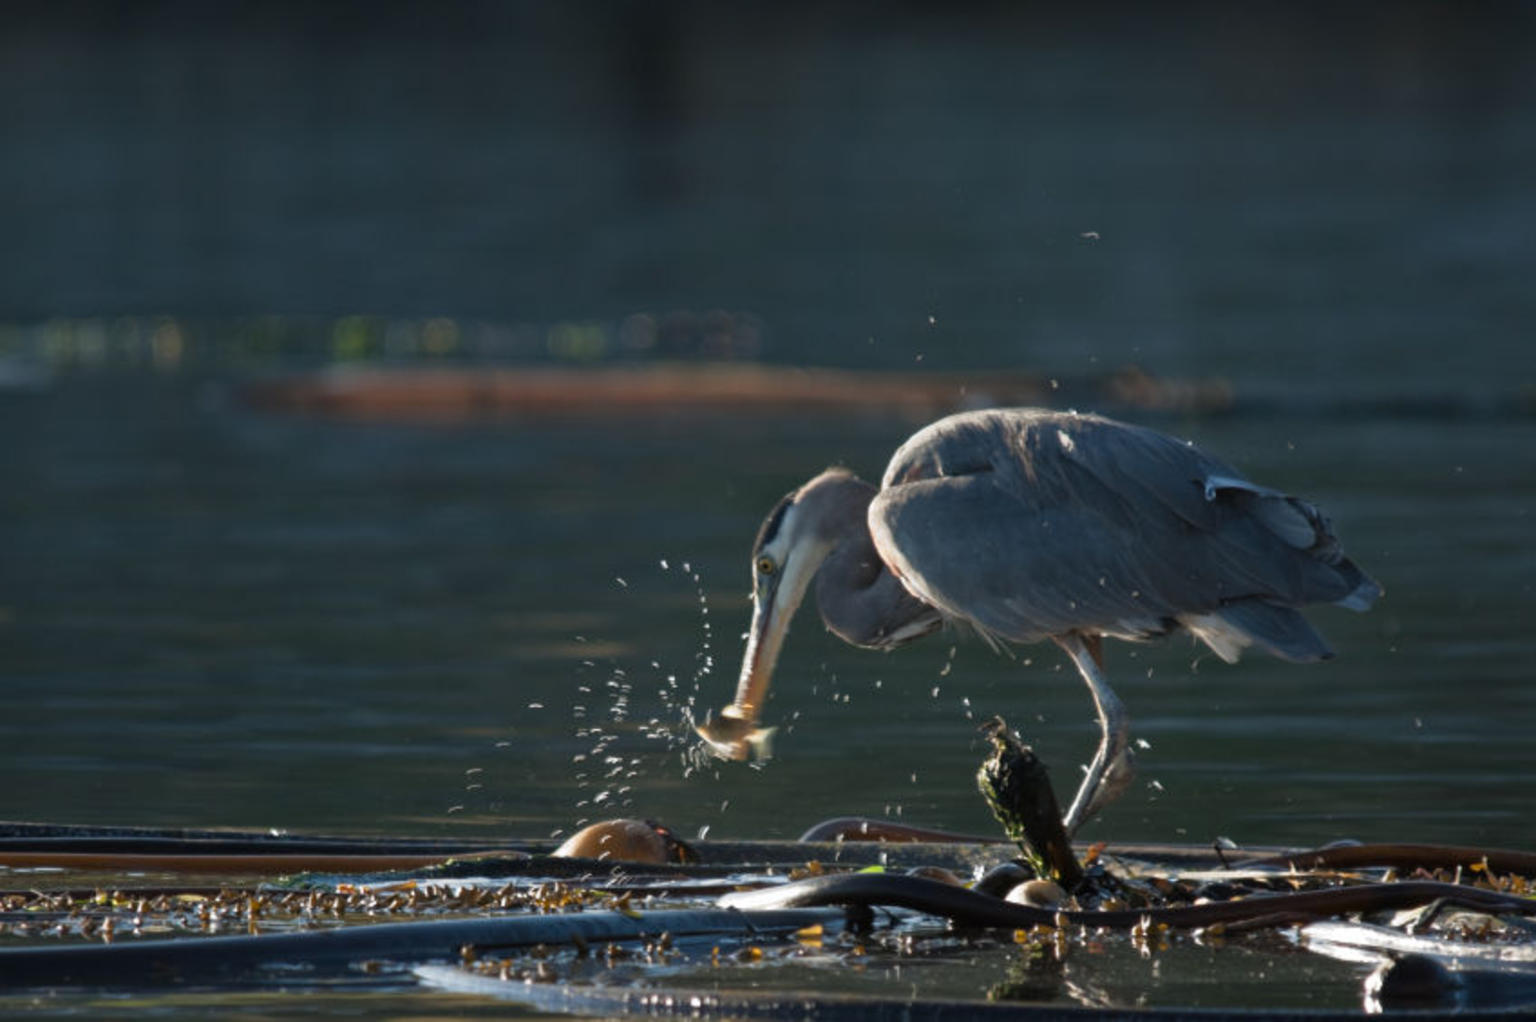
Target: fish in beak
column 786, row 559
column 734, row 733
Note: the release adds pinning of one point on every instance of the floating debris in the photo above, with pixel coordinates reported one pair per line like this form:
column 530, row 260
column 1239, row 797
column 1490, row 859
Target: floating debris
column 626, row 841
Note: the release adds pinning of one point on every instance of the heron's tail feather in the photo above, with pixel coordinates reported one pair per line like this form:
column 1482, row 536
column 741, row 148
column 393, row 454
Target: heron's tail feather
column 1279, row 631
column 1227, row 642
column 1364, row 589
column 1325, row 575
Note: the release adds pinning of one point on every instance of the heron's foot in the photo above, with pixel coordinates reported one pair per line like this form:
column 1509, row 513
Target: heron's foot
column 735, row 736
column 1118, row 776
column 1111, row 772
column 1109, row 775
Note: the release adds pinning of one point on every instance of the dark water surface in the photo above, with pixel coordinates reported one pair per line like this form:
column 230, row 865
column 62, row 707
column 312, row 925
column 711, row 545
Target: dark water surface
column 220, row 616
column 211, row 614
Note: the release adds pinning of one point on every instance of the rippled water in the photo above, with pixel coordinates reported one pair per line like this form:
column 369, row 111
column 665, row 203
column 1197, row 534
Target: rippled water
column 220, row 616
column 213, row 614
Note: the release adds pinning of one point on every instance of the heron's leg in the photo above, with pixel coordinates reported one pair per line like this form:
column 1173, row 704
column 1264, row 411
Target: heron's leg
column 1111, row 769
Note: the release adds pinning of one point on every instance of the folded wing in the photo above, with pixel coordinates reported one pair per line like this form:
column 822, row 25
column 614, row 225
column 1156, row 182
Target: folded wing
column 1031, row 523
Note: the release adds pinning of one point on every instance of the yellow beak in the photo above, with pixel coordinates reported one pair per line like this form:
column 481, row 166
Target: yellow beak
column 733, row 733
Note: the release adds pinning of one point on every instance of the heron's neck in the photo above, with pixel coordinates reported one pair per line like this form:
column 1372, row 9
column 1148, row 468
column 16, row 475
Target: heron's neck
column 859, row 599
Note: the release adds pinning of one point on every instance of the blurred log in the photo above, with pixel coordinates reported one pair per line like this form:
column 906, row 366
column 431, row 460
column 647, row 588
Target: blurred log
column 448, row 395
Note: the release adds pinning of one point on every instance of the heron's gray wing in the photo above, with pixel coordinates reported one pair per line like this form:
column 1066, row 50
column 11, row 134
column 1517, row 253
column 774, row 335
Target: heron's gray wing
column 1033, row 448
column 1016, row 569
column 1031, row 523
column 1247, row 539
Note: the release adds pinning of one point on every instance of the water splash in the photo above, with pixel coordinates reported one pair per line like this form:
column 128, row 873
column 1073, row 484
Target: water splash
column 641, row 719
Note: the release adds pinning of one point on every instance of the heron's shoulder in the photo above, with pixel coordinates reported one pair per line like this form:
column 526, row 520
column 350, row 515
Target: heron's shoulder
column 1006, row 439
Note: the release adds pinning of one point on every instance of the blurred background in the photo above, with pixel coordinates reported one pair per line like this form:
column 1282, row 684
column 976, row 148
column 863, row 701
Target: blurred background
column 1306, row 229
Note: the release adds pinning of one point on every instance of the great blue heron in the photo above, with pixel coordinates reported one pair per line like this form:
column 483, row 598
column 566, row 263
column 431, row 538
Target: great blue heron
column 1028, row 524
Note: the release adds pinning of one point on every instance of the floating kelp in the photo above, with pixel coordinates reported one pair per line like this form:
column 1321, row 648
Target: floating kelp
column 625, row 918
column 819, row 907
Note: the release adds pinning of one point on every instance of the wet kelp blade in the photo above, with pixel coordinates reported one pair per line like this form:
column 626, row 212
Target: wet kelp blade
column 212, row 864
column 1362, row 941
column 19, row 836
column 848, row 834
column 1402, row 857
column 1422, row 971
column 68, row 846
column 969, row 908
column 123, row 849
column 140, row 963
column 645, row 1001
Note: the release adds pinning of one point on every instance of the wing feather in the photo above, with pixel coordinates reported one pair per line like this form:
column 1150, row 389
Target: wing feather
column 1030, row 523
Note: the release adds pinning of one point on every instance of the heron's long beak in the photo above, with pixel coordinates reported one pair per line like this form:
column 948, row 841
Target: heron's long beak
column 733, row 732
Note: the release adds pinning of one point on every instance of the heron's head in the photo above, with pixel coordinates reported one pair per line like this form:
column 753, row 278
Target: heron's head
column 795, row 538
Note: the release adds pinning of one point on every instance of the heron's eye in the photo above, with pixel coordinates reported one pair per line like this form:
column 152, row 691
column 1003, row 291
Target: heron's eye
column 765, row 566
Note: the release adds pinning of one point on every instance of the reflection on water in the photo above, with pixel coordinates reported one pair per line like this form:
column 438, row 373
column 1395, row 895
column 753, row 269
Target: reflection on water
column 1278, row 196
column 210, row 614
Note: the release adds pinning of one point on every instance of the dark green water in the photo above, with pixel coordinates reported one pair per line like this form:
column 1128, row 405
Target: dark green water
column 213, row 615
column 219, row 616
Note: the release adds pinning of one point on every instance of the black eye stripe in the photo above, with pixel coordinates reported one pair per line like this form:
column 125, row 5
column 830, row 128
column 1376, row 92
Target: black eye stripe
column 771, row 524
